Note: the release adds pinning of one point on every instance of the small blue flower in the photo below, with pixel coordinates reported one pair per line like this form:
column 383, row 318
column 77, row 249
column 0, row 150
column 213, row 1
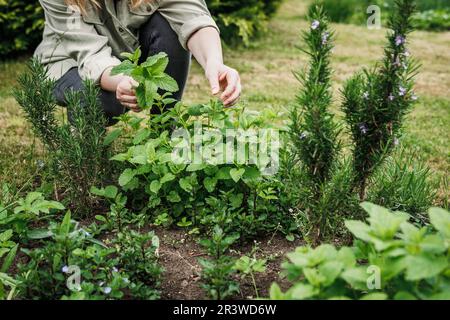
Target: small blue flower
column 399, row 40
column 391, row 97
column 304, row 135
column 396, row 141
column 315, row 24
column 40, row 164
column 65, row 269
column 325, row 37
column 363, row 128
column 107, row 290
column 401, row 91
column 366, row 95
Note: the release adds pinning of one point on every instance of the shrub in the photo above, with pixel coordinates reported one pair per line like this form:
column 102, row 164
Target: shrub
column 21, row 25
column 313, row 130
column 240, row 21
column 77, row 151
column 375, row 103
column 437, row 20
column 391, row 259
column 431, row 15
column 403, row 184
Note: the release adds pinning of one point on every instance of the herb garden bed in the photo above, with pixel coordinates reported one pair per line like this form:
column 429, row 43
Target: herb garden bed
column 149, row 221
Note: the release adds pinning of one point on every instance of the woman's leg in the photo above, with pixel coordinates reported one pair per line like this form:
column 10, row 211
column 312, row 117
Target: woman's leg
column 157, row 36
column 72, row 81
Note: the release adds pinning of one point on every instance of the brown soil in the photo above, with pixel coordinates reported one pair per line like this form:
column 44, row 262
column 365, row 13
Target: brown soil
column 179, row 254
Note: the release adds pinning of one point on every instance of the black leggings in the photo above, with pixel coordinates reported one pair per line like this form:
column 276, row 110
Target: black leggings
column 155, row 36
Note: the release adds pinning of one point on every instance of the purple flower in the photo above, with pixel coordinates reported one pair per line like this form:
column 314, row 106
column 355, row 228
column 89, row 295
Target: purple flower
column 414, row 97
column 363, row 128
column 401, row 91
column 107, row 290
column 391, row 97
column 325, row 37
column 65, row 269
column 399, row 40
column 315, row 24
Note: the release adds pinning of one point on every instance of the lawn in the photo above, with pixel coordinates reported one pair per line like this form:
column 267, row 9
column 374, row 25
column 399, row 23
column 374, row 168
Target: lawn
column 266, row 69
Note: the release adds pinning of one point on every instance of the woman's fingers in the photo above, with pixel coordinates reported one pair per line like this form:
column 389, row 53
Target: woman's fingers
column 133, row 107
column 128, row 99
column 232, row 80
column 234, row 97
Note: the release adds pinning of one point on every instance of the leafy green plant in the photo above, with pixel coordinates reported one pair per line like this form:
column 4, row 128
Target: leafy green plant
column 128, row 268
column 138, row 256
column 217, row 271
column 8, row 251
column 118, row 216
column 76, row 150
column 391, row 259
column 180, row 187
column 19, row 214
column 247, row 267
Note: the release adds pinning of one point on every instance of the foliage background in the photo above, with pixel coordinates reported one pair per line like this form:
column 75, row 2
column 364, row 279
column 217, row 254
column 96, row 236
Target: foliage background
column 21, row 22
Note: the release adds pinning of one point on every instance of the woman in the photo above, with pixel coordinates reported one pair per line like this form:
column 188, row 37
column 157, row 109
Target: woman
column 84, row 38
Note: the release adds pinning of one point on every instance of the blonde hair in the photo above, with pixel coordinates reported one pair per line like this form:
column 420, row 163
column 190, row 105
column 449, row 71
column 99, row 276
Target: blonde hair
column 82, row 3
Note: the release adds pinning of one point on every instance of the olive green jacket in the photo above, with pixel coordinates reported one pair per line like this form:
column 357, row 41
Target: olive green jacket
column 94, row 40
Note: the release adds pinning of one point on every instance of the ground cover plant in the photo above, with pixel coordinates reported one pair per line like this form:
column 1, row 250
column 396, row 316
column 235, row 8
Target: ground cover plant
column 391, row 259
column 153, row 228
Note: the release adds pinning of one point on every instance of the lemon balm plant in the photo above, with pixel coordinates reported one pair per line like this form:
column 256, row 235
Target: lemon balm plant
column 180, row 168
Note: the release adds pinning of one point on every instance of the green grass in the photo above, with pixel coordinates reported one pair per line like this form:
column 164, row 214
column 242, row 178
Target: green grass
column 266, row 70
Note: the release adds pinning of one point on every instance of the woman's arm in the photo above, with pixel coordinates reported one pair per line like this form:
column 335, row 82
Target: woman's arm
column 206, row 47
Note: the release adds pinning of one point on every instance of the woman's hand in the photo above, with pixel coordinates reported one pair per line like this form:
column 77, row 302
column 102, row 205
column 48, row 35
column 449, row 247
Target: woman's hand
column 126, row 94
column 226, row 80
column 206, row 47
